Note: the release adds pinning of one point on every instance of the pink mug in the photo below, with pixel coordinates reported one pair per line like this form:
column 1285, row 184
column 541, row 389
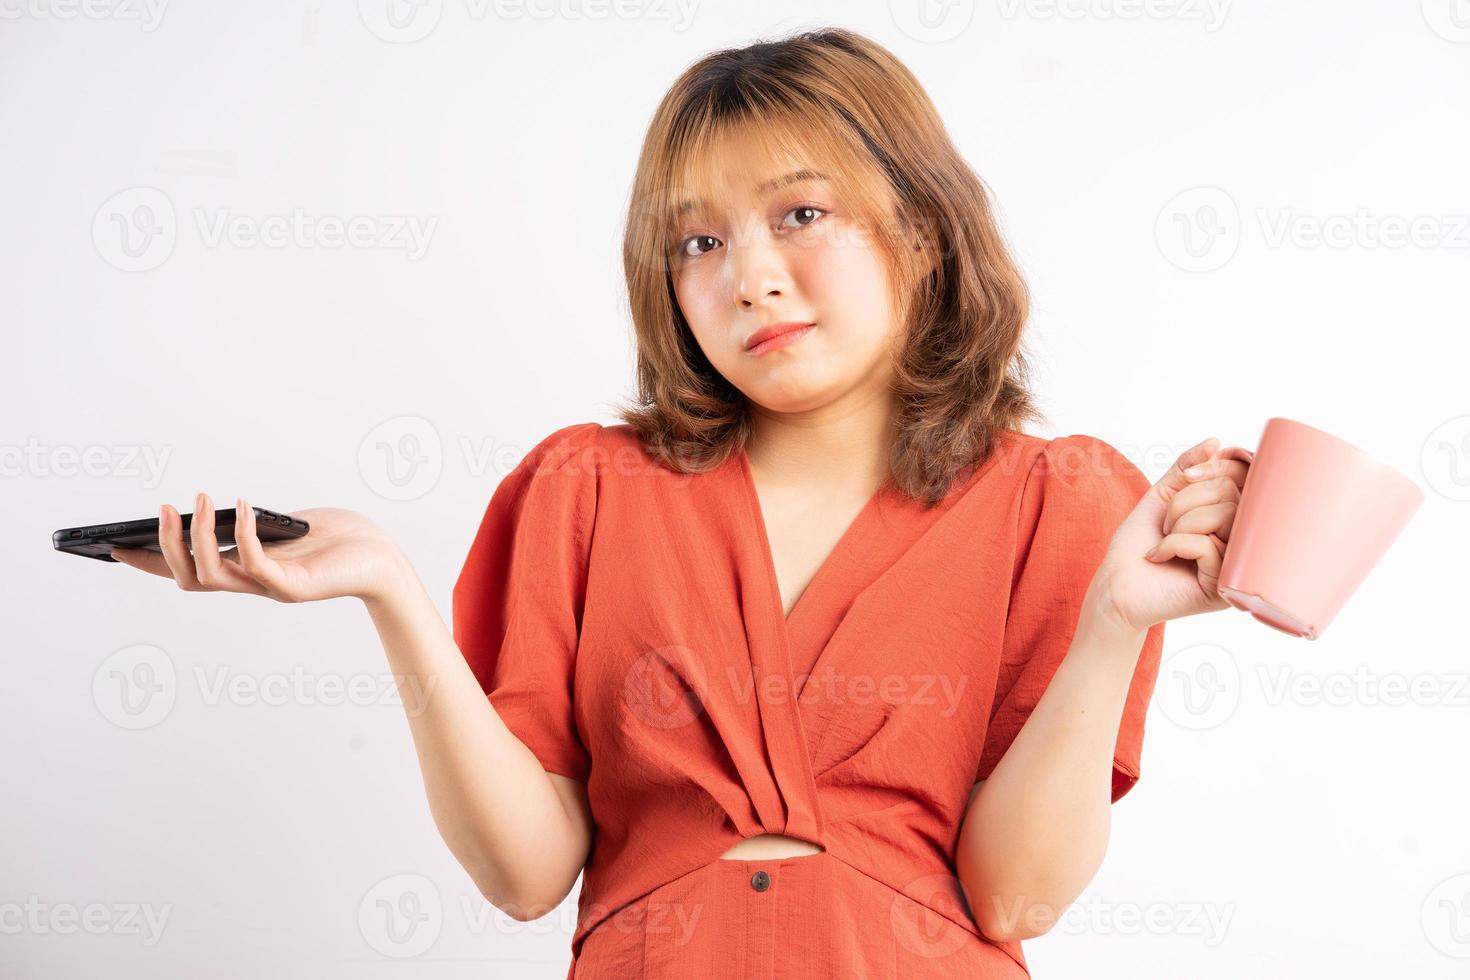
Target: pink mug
column 1314, row 517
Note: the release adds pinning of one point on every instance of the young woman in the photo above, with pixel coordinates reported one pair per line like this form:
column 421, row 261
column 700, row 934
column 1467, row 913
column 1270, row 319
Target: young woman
column 816, row 664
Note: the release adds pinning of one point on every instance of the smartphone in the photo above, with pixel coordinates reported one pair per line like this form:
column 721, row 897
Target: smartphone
column 98, row 540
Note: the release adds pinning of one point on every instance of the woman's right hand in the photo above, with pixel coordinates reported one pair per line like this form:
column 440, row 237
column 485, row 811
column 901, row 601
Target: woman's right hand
column 344, row 554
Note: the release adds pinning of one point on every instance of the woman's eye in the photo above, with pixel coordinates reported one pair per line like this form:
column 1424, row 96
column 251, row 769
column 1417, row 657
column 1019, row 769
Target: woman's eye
column 689, row 248
column 800, row 209
column 695, row 240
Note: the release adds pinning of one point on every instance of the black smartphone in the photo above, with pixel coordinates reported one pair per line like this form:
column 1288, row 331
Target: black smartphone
column 98, row 540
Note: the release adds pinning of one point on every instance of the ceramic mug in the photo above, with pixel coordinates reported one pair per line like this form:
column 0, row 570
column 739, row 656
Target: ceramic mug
column 1315, row 515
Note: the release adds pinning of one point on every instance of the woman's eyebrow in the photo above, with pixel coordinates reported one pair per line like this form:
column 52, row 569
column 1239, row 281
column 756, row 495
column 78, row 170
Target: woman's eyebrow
column 775, row 183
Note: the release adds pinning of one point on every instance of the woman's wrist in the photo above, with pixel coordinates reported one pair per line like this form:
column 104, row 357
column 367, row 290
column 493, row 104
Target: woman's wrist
column 396, row 582
column 1101, row 619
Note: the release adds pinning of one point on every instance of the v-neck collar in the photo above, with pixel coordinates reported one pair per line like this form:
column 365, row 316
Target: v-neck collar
column 847, row 540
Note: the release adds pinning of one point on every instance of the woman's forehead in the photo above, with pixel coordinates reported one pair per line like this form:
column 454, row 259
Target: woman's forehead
column 700, row 195
column 754, row 161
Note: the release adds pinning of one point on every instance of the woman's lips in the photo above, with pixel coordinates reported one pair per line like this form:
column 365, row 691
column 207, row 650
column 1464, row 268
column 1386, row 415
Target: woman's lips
column 784, row 339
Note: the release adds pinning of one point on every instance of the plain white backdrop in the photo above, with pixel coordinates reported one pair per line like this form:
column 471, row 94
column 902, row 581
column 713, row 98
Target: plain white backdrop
column 366, row 255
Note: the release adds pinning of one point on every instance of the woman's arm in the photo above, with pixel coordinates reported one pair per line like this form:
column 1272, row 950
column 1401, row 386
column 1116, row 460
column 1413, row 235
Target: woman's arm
column 1036, row 829
column 521, row 833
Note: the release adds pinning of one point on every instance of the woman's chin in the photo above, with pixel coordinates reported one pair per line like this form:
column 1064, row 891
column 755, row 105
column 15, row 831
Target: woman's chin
column 790, row 399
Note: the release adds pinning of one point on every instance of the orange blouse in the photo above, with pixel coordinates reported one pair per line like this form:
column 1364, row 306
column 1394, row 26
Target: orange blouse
column 625, row 622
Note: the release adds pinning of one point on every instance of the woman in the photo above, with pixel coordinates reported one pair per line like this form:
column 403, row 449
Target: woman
column 815, row 663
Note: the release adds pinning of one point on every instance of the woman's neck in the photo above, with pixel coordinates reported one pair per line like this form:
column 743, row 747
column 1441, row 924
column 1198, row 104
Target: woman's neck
column 836, row 444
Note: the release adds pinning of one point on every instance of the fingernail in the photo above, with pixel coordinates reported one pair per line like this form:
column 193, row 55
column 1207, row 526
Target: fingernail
column 1197, row 471
column 1151, row 552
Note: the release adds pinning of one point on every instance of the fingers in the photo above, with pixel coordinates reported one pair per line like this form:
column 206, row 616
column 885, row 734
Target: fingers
column 1233, row 462
column 210, row 568
column 207, row 569
column 253, row 558
column 1203, row 493
column 175, row 554
column 1174, row 479
column 1213, row 519
column 1207, row 550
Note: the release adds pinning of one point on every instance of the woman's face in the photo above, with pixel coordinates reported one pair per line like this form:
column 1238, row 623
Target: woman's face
column 785, row 252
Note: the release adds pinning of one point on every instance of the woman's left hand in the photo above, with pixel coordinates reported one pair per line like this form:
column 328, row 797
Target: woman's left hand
column 1163, row 561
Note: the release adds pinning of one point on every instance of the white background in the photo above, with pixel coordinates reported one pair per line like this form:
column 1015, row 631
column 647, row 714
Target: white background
column 1280, row 833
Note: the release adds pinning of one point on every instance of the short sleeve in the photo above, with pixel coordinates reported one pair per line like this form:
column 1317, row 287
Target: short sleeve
column 1077, row 493
column 518, row 600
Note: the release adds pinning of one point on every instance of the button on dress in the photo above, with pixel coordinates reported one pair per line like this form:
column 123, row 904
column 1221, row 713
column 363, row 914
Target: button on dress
column 626, row 624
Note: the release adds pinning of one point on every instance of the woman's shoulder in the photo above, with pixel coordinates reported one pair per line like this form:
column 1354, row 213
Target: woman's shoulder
column 1077, row 459
column 561, row 445
column 605, row 456
column 1071, row 488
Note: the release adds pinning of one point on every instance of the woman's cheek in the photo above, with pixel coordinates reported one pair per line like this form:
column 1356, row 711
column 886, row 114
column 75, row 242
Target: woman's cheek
column 848, row 283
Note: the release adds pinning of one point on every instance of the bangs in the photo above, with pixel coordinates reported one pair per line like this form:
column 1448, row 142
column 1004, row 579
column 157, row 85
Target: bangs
column 761, row 150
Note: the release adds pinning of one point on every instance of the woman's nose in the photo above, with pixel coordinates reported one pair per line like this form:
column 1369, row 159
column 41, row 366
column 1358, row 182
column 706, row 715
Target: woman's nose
column 759, row 270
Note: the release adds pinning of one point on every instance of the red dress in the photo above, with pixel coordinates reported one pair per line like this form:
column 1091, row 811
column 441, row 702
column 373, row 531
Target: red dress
column 625, row 621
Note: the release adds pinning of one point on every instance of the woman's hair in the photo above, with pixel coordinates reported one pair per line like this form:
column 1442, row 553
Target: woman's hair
column 846, row 107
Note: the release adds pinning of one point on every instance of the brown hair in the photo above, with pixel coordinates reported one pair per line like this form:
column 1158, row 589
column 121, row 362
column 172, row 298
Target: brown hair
column 845, row 104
